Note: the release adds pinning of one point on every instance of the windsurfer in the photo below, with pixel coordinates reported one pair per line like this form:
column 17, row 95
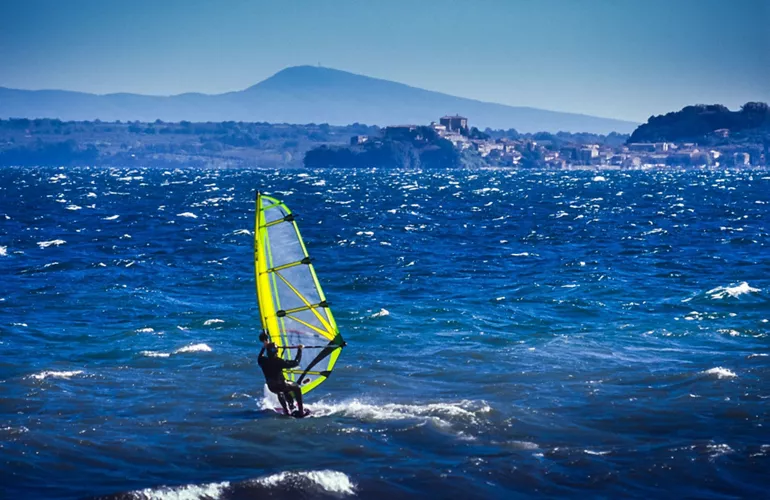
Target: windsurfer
column 272, row 367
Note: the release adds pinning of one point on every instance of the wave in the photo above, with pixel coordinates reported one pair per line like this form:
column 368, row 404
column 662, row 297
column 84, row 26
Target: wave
column 111, row 217
column 327, row 481
column 3, row 251
column 155, row 354
column 189, row 491
column 193, row 348
column 720, row 372
column 213, row 321
column 73, row 207
column 187, row 214
column 736, row 291
column 381, row 313
column 46, row 244
column 441, row 413
column 53, row 374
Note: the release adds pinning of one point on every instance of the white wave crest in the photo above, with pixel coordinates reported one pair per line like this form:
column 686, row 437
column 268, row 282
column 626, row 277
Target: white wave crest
column 155, row 354
column 383, row 312
column 522, row 254
column 439, row 413
column 46, row 244
column 187, row 214
column 599, row 178
column 212, row 321
column 53, row 374
column 111, row 217
column 145, row 330
column 717, row 450
column 73, row 207
column 330, row 480
column 3, row 251
column 736, row 291
column 187, row 492
column 721, row 372
column 193, row 348
column 242, row 231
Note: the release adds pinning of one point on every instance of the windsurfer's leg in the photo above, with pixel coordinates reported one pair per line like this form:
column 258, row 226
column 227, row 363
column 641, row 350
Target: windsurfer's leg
column 282, row 400
column 297, row 393
column 289, row 398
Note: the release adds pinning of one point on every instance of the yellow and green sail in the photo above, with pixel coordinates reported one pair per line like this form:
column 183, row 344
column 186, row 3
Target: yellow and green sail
column 292, row 305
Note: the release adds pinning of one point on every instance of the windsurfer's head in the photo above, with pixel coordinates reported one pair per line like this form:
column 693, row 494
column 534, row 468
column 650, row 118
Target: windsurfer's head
column 263, row 336
column 272, row 350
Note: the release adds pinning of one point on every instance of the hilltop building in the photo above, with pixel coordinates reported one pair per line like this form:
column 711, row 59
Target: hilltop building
column 399, row 131
column 454, row 123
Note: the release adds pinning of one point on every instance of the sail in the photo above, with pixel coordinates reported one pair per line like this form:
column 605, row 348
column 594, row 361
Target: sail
column 292, row 305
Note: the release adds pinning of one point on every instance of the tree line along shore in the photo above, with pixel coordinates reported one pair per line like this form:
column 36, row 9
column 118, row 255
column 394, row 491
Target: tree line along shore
column 697, row 135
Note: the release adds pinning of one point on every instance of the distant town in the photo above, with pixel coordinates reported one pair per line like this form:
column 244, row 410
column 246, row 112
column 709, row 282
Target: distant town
column 547, row 150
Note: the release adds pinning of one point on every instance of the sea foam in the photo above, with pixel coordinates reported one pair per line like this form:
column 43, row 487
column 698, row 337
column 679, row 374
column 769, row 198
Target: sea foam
column 155, row 354
column 186, row 492
column 193, row 348
column 720, row 372
column 381, row 313
column 736, row 291
column 329, row 480
column 46, row 244
column 53, row 374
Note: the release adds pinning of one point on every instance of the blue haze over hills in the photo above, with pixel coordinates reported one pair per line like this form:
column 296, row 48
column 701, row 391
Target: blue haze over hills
column 301, row 94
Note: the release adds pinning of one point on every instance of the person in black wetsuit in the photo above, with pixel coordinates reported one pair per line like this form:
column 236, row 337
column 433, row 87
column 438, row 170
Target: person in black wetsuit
column 272, row 367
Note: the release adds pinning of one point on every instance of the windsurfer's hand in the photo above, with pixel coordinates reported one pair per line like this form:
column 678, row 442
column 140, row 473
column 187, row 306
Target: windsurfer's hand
column 300, row 346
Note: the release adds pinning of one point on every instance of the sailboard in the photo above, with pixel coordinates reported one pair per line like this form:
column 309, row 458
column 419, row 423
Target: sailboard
column 292, row 306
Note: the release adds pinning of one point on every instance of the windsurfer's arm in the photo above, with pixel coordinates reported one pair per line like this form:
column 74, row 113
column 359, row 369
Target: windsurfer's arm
column 295, row 362
column 299, row 354
column 261, row 356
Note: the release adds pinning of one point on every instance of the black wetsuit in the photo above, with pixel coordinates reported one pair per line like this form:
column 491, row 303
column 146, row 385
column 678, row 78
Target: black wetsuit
column 273, row 366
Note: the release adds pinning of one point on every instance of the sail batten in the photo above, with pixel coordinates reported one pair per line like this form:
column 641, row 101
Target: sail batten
column 292, row 305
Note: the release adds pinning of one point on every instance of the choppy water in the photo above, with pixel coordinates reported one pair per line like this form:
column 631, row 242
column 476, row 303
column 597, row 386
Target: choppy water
column 510, row 334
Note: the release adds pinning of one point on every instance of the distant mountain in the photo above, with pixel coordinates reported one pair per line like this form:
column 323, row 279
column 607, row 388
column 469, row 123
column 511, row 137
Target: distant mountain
column 302, row 94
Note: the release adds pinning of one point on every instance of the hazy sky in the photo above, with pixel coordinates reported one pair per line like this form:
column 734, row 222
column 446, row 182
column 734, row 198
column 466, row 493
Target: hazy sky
column 615, row 58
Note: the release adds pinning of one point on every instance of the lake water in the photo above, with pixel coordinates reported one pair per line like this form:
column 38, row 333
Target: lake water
column 510, row 334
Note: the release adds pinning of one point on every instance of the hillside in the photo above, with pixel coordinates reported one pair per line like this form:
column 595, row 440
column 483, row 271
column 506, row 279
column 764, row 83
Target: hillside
column 302, row 94
column 707, row 124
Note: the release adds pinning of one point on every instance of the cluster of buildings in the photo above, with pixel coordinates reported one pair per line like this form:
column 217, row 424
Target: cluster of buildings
column 558, row 154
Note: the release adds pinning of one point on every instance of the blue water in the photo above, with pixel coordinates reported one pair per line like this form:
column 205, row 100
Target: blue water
column 510, row 334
